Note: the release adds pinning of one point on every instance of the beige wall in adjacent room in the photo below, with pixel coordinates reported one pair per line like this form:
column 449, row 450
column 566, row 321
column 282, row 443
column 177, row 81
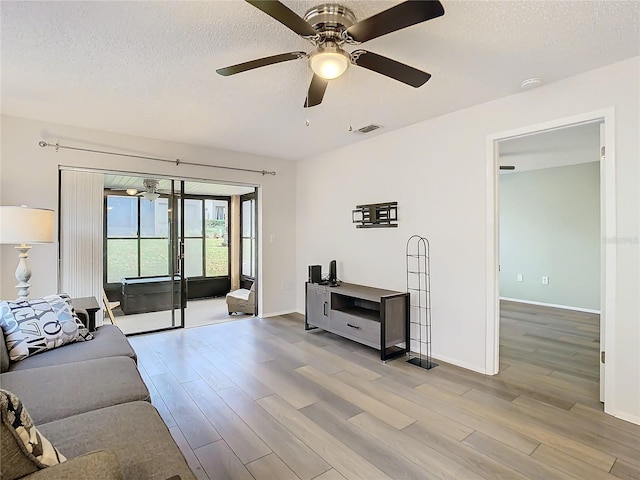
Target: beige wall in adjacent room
column 550, row 226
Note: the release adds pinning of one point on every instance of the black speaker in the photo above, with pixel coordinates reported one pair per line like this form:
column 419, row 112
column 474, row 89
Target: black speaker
column 333, row 272
column 315, row 273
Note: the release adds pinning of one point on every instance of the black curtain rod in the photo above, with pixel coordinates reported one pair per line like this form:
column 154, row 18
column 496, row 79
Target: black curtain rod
column 177, row 161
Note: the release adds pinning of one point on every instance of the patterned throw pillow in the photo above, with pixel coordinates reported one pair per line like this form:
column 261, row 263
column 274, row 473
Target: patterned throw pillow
column 24, row 449
column 40, row 324
column 83, row 331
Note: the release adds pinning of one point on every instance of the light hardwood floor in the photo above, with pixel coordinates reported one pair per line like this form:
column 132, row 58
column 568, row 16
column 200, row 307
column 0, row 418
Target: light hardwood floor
column 262, row 399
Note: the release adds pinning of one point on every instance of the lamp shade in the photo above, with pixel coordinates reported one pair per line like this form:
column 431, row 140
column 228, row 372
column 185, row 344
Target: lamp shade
column 26, row 225
column 329, row 62
column 151, row 196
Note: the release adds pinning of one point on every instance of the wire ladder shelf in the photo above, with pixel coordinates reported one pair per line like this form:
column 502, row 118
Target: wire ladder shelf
column 419, row 288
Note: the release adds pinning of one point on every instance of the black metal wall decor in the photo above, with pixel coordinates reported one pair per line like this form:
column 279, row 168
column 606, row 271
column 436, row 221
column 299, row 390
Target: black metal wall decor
column 376, row 215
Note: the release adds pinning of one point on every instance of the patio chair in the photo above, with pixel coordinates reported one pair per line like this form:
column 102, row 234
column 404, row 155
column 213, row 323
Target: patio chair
column 242, row 300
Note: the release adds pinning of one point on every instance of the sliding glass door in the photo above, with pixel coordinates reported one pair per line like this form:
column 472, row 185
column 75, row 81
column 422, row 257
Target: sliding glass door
column 169, row 244
column 144, row 261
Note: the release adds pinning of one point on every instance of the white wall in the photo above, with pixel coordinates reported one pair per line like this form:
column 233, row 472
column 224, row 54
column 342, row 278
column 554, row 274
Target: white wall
column 550, row 226
column 29, row 175
column 436, row 171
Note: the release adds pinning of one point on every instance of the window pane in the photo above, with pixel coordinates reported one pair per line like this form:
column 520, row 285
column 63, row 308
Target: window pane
column 216, row 232
column 217, row 257
column 248, row 238
column 193, row 257
column 193, row 218
column 154, row 220
column 122, row 216
column 216, row 218
column 253, row 257
column 247, row 258
column 122, row 259
column 154, row 257
column 247, row 218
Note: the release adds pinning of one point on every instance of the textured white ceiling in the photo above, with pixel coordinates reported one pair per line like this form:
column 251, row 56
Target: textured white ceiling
column 148, row 68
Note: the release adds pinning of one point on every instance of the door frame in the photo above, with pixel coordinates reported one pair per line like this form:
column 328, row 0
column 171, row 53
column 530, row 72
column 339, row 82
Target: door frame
column 256, row 215
column 608, row 248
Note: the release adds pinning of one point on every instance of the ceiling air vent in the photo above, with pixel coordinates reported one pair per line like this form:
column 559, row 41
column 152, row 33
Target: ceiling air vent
column 367, row 129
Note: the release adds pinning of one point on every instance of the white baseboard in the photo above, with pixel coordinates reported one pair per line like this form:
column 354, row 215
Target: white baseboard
column 275, row 314
column 553, row 305
column 627, row 417
column 458, row 363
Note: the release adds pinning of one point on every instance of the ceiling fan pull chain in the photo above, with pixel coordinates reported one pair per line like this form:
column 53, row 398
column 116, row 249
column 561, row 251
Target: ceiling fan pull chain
column 308, row 75
column 350, row 103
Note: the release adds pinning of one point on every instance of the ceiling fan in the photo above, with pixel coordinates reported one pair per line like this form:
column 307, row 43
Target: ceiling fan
column 150, row 189
column 329, row 27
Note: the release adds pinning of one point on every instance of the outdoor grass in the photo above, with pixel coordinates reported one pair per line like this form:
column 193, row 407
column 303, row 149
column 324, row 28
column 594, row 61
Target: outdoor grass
column 122, row 258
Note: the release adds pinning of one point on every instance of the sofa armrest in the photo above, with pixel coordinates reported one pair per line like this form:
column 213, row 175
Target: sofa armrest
column 100, row 465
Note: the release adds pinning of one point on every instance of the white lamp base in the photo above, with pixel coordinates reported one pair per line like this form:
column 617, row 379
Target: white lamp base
column 23, row 272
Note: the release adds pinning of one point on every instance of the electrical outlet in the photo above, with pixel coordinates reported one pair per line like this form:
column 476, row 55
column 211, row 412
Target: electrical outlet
column 289, row 285
column 519, row 277
column 545, row 280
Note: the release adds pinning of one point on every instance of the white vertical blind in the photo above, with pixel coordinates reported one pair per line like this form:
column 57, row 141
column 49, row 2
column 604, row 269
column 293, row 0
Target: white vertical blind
column 81, row 223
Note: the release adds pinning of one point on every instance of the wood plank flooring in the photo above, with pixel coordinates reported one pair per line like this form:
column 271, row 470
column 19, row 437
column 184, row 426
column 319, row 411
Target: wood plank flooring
column 263, row 399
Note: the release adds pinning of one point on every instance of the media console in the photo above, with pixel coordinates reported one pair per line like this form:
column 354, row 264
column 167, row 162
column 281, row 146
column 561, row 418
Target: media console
column 371, row 316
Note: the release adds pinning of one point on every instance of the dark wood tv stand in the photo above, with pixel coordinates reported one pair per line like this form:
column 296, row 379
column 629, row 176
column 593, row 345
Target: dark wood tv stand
column 371, row 316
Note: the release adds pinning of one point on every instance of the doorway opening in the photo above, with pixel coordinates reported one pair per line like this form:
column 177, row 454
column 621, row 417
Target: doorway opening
column 605, row 251
column 170, row 250
column 549, row 205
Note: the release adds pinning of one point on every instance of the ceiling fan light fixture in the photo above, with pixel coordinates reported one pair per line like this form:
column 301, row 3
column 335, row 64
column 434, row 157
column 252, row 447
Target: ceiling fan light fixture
column 329, row 62
column 151, row 196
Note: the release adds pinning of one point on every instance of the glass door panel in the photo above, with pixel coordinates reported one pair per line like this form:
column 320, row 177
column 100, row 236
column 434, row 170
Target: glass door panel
column 177, row 262
column 193, row 257
column 141, row 258
column 248, row 240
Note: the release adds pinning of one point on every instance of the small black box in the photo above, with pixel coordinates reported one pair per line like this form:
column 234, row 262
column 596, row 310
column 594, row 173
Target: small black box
column 315, row 273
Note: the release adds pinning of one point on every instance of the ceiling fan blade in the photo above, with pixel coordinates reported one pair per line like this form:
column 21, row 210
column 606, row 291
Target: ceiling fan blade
column 395, row 18
column 285, row 16
column 316, row 91
column 261, row 62
column 391, row 68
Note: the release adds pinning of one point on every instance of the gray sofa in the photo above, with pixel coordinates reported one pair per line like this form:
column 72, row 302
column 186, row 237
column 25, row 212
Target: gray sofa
column 89, row 400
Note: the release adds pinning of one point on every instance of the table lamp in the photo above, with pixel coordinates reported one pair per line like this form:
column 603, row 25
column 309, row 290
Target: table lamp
column 20, row 226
